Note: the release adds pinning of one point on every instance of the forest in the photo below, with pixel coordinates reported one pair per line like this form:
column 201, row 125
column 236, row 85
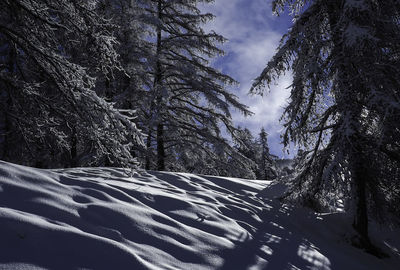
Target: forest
column 130, row 83
column 120, row 83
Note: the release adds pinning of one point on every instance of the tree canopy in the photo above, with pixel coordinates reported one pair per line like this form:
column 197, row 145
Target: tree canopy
column 47, row 87
column 345, row 97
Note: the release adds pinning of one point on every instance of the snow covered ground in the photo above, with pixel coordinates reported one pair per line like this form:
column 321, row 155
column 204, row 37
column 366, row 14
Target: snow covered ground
column 98, row 218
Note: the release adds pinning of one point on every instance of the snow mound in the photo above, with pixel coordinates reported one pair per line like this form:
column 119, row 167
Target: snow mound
column 99, row 218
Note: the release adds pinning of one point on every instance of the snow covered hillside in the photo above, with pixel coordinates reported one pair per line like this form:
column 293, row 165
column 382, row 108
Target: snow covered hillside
column 98, row 218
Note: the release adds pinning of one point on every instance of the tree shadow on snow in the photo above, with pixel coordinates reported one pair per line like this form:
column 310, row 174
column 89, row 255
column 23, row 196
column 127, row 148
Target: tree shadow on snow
column 274, row 246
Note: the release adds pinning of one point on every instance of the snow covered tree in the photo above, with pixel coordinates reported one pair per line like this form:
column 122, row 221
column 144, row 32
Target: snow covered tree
column 125, row 87
column 128, row 88
column 255, row 149
column 50, row 53
column 188, row 101
column 246, row 144
column 265, row 161
column 345, row 97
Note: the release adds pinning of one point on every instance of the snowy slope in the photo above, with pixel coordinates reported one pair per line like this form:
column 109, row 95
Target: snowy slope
column 98, row 218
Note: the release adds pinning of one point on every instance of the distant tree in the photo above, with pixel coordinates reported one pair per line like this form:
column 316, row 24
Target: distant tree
column 187, row 103
column 262, row 164
column 50, row 114
column 266, row 163
column 246, row 144
column 344, row 100
column 212, row 160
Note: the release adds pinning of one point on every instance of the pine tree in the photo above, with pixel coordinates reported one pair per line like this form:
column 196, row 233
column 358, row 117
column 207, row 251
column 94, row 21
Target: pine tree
column 188, row 101
column 50, row 112
column 344, row 99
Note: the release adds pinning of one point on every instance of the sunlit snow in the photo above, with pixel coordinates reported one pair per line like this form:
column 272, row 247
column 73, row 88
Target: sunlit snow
column 99, row 218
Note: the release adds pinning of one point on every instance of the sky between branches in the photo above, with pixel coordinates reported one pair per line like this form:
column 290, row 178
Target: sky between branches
column 254, row 34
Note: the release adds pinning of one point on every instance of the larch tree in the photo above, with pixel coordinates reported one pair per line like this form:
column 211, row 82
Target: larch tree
column 188, row 101
column 345, row 97
column 131, row 47
column 50, row 112
column 128, row 88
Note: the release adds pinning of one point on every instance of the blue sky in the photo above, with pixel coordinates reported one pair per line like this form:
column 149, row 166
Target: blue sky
column 253, row 34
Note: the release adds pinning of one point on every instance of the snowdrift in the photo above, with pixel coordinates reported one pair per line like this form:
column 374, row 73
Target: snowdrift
column 99, row 218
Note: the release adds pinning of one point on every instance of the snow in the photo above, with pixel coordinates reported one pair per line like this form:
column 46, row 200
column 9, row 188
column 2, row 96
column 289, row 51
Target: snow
column 100, row 218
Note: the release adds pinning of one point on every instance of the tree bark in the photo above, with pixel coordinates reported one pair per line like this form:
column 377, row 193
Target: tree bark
column 6, row 103
column 4, row 125
column 360, row 222
column 3, row 134
column 160, row 148
column 74, row 148
column 157, row 87
column 148, row 145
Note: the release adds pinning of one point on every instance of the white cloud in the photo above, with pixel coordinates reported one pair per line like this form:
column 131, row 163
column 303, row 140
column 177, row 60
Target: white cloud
column 251, row 30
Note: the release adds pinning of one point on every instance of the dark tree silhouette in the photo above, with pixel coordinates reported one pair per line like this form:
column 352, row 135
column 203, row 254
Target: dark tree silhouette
column 344, row 100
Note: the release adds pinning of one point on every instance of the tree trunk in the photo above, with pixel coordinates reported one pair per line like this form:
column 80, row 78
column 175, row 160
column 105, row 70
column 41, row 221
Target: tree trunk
column 160, row 147
column 360, row 222
column 159, row 99
column 359, row 177
column 4, row 125
column 148, row 145
column 74, row 148
column 5, row 99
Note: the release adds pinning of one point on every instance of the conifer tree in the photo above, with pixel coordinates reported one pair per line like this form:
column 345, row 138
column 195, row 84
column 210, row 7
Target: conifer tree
column 188, row 100
column 344, row 99
column 49, row 110
column 266, row 164
column 246, row 144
